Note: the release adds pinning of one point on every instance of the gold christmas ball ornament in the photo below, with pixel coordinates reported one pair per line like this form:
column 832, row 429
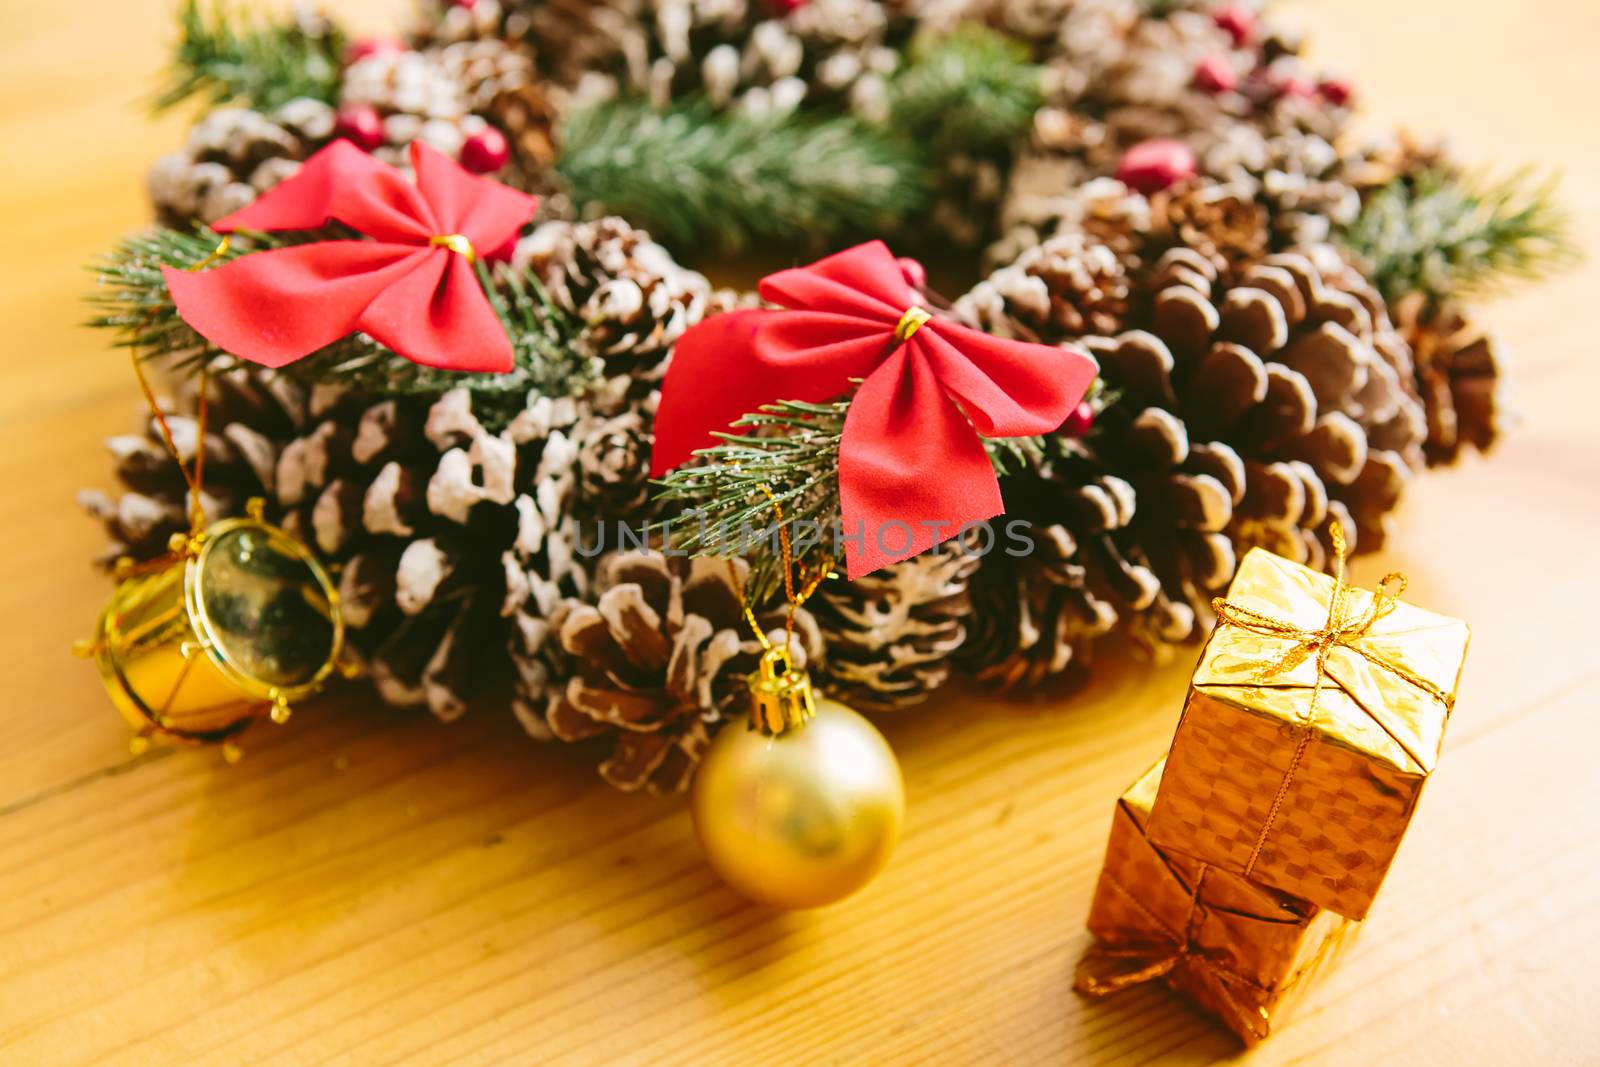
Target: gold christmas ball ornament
column 802, row 806
column 236, row 623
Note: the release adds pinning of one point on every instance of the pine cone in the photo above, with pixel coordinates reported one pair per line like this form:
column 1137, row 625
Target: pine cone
column 417, row 96
column 891, row 634
column 232, row 156
column 529, row 114
column 1033, row 616
column 1459, row 373
column 613, row 459
column 656, row 661
column 1253, row 400
column 1224, row 223
column 484, row 69
column 735, row 52
column 634, row 300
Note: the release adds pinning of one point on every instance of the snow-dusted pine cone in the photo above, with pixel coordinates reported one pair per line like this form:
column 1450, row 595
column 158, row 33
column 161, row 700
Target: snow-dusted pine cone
column 655, row 659
column 891, row 634
column 232, row 156
column 632, row 297
column 744, row 53
column 417, row 96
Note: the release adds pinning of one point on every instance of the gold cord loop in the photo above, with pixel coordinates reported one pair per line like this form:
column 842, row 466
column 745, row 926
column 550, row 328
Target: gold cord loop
column 457, row 243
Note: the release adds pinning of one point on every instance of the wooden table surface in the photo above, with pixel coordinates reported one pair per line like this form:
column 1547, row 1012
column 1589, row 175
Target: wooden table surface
column 368, row 887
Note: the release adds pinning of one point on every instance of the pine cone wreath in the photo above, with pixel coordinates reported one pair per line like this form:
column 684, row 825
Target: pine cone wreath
column 655, row 661
column 232, row 156
column 891, row 635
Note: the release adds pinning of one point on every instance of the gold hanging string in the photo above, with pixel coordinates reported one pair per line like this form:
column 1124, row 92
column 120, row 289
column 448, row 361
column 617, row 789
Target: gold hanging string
column 795, row 598
column 193, row 474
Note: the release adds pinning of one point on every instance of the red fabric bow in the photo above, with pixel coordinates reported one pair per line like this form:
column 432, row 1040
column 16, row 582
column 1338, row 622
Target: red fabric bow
column 912, row 470
column 412, row 287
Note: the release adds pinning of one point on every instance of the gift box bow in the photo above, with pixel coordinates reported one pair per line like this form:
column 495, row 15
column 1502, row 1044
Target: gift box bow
column 1286, row 626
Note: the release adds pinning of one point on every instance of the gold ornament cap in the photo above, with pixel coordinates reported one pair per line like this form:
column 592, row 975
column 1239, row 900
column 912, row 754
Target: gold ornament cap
column 780, row 694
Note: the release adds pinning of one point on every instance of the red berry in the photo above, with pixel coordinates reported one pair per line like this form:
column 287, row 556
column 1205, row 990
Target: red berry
column 464, row 4
column 485, row 151
column 1336, row 91
column 1239, row 23
column 372, row 46
column 913, row 273
column 780, row 8
column 1291, row 85
column 1214, row 74
column 361, row 125
column 1080, row 422
column 1151, row 166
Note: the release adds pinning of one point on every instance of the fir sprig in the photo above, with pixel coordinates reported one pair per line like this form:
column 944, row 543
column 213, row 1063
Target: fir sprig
column 131, row 299
column 1450, row 236
column 694, row 176
column 230, row 57
column 784, row 460
column 973, row 90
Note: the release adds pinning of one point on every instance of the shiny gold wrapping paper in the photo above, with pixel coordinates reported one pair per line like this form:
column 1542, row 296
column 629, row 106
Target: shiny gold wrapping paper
column 1240, row 950
column 1304, row 787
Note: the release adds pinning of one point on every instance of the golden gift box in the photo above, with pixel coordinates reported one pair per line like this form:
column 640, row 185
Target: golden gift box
column 1240, row 950
column 1312, row 723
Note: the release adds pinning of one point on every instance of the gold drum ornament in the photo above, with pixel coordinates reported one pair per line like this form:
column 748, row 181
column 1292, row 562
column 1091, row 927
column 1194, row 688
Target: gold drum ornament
column 237, row 623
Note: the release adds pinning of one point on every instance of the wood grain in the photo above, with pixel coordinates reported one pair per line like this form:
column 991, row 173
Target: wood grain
column 375, row 888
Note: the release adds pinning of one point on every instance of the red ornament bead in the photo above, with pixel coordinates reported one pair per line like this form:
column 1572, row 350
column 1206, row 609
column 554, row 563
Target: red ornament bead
column 913, row 272
column 1336, row 91
column 780, row 8
column 1214, row 74
column 1151, row 166
column 361, row 125
column 372, row 46
column 1291, row 85
column 1080, row 422
column 485, row 151
column 1239, row 23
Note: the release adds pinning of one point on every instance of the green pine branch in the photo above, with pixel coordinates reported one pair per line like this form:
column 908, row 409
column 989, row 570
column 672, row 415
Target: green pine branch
column 230, row 57
column 694, row 176
column 132, row 300
column 1451, row 237
column 974, row 90
column 791, row 450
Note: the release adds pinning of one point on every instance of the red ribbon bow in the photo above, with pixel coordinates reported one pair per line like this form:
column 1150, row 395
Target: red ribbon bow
column 412, row 288
column 912, row 470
